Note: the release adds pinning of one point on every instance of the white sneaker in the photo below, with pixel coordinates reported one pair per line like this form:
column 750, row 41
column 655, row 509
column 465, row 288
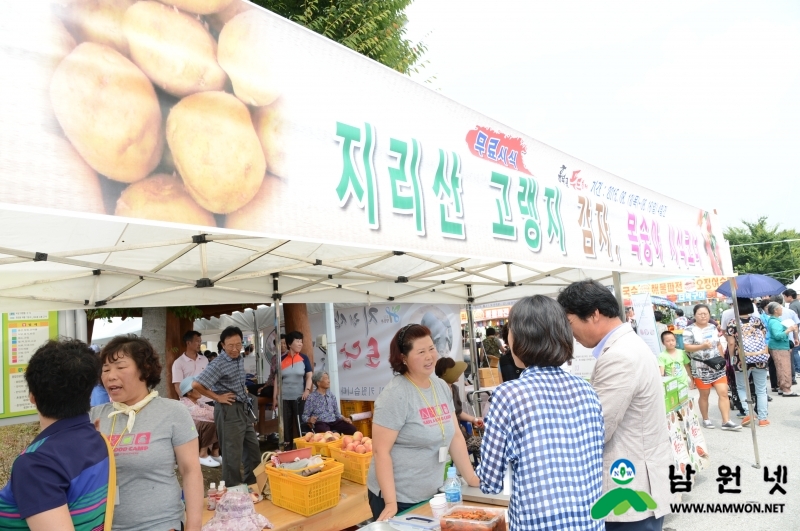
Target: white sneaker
column 708, row 424
column 209, row 462
column 217, row 458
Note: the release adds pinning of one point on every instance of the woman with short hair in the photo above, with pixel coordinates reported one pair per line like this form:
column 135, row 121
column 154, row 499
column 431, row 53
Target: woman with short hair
column 413, row 429
column 321, row 410
column 779, row 347
column 150, row 436
column 701, row 341
column 547, row 425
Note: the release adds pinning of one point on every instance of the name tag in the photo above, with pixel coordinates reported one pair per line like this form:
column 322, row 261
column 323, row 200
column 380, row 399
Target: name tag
column 443, row 454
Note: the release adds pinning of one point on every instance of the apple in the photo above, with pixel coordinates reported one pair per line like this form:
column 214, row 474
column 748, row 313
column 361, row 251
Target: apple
column 357, row 436
column 351, row 447
column 361, row 449
column 307, row 437
column 346, row 440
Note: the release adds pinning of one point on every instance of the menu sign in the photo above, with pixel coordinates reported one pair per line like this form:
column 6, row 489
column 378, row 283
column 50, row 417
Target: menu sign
column 21, row 334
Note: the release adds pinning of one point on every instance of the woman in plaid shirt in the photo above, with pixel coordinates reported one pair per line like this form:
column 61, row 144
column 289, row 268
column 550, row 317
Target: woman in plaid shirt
column 547, row 425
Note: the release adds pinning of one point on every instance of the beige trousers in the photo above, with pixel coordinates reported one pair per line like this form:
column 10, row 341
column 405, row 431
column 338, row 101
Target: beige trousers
column 783, row 367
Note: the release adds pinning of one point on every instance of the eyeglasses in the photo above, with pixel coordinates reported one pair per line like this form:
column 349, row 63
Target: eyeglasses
column 237, row 346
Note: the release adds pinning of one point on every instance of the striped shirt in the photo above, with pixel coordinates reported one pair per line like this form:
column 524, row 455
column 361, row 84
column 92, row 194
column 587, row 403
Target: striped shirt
column 225, row 375
column 66, row 464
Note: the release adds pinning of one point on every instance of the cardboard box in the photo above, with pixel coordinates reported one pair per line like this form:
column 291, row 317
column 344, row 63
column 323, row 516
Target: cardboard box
column 490, row 377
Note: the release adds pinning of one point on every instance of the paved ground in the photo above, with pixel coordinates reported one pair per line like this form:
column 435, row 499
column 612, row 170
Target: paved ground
column 779, row 444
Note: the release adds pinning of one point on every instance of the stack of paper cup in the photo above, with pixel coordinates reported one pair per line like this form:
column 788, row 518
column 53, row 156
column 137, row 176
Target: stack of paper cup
column 438, row 505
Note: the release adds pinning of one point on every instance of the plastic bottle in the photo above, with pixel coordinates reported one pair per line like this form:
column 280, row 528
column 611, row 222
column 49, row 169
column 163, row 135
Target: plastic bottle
column 452, row 487
column 212, row 497
column 221, row 490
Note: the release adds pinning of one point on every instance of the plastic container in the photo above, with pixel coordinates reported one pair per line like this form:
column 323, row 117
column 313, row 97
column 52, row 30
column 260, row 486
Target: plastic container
column 221, row 490
column 467, row 518
column 438, row 505
column 356, row 466
column 317, row 448
column 212, row 497
column 452, row 488
column 414, row 522
column 306, row 495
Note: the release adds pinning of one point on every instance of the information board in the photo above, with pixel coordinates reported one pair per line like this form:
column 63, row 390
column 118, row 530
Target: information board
column 21, row 334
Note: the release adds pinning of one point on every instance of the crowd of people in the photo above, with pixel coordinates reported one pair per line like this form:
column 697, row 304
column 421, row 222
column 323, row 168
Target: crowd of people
column 557, row 432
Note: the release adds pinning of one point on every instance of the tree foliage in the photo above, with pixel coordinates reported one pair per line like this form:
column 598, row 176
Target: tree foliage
column 374, row 28
column 778, row 260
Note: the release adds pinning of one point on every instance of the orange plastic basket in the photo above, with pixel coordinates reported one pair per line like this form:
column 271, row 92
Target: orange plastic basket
column 317, row 448
column 306, row 495
column 356, row 466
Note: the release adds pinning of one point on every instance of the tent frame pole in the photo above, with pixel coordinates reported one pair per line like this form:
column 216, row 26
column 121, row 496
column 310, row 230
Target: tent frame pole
column 276, row 298
column 750, row 399
column 473, row 353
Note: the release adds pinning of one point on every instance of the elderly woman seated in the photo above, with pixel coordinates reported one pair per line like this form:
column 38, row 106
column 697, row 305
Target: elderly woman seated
column 321, row 411
column 203, row 416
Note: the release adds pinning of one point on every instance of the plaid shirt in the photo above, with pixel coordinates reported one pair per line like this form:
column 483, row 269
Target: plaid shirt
column 548, row 426
column 324, row 407
column 225, row 375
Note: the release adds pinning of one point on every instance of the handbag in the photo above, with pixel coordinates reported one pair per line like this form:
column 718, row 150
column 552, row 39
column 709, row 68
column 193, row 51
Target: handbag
column 717, row 362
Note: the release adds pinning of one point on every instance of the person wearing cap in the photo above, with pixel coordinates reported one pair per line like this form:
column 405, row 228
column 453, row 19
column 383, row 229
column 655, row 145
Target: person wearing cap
column 322, row 408
column 203, row 416
column 450, row 371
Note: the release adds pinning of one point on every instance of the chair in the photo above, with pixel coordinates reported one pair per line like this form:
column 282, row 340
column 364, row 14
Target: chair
column 301, row 404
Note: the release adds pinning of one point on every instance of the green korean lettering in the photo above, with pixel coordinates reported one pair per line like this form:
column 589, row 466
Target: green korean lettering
column 449, row 196
column 555, row 227
column 503, row 228
column 526, row 198
column 406, row 175
column 351, row 183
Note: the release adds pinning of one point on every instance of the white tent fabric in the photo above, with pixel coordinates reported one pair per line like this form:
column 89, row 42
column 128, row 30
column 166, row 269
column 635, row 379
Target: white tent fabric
column 104, row 330
column 56, row 262
column 795, row 285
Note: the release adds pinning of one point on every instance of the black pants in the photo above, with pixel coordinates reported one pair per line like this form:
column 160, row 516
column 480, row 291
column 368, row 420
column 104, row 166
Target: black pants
column 238, row 442
column 337, row 425
column 648, row 524
column 377, row 506
column 290, row 412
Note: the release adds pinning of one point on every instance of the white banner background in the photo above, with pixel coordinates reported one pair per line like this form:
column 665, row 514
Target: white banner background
column 363, row 336
column 646, row 320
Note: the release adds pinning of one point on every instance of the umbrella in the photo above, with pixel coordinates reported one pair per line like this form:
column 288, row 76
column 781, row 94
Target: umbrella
column 661, row 301
column 752, row 285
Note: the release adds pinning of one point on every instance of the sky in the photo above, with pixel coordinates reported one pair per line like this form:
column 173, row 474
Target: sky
column 696, row 100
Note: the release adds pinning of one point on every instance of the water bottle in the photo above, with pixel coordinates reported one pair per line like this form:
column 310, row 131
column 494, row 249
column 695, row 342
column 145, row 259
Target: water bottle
column 212, row 497
column 452, row 487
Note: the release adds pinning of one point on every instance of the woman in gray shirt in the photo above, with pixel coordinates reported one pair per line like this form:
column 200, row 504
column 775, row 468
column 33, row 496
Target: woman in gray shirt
column 296, row 373
column 413, row 429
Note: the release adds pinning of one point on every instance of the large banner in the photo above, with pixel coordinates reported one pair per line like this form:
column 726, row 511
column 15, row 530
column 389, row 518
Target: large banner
column 363, row 336
column 222, row 114
column 646, row 321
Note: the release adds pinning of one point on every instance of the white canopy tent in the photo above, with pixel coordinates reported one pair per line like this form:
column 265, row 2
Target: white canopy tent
column 104, row 330
column 374, row 188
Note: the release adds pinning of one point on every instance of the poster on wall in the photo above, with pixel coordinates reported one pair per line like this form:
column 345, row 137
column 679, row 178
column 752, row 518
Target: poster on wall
column 21, row 335
column 645, row 321
column 363, row 336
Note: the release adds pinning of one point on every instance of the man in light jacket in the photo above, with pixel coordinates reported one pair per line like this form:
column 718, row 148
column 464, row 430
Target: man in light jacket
column 628, row 383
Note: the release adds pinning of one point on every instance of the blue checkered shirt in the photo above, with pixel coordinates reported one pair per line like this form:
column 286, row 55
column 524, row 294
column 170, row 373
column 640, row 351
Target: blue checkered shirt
column 548, row 426
column 225, row 375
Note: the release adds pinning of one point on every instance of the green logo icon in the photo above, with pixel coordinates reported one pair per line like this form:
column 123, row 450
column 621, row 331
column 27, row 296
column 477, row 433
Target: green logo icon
column 620, row 500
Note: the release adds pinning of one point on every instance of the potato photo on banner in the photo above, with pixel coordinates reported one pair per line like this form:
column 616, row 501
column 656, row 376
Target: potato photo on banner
column 98, row 21
column 109, row 111
column 164, row 198
column 200, row 7
column 173, row 48
column 216, row 150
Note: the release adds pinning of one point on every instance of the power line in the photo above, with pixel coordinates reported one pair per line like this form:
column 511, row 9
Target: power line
column 765, row 243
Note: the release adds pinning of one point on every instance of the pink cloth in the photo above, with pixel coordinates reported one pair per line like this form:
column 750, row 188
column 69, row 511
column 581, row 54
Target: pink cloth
column 199, row 411
column 184, row 367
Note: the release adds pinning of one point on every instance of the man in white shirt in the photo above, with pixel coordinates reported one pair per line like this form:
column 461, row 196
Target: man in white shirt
column 191, row 362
